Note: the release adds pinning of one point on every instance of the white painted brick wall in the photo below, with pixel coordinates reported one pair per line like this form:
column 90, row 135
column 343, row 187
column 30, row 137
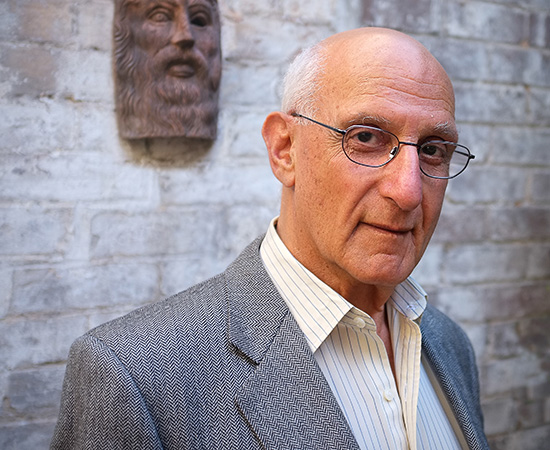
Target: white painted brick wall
column 92, row 226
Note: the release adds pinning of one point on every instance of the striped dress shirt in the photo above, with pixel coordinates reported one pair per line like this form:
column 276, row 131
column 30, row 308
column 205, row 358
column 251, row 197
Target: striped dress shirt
column 353, row 358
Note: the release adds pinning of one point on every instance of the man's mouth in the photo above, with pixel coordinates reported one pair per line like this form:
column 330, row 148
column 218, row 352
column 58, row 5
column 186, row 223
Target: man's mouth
column 396, row 230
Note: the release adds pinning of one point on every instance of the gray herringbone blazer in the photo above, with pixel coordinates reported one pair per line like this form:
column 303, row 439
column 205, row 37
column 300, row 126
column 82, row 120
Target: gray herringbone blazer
column 224, row 365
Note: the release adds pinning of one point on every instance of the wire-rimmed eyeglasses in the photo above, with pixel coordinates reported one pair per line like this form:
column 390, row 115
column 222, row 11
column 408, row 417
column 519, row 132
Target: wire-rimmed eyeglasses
column 373, row 147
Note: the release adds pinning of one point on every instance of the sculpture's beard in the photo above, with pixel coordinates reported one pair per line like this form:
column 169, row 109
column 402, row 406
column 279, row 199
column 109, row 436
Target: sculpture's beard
column 152, row 101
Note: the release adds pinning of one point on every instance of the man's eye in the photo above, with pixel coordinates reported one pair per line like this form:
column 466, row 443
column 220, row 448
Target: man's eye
column 431, row 150
column 365, row 137
column 436, row 152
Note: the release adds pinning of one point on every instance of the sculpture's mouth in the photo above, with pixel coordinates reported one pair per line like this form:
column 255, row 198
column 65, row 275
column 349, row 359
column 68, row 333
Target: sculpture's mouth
column 181, row 68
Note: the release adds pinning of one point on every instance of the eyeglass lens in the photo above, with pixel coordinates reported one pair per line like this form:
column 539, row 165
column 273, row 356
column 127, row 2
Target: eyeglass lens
column 374, row 147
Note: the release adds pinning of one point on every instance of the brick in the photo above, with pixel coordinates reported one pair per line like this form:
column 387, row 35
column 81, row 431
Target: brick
column 246, row 223
column 8, row 21
column 477, row 333
column 531, row 414
column 501, row 376
column 500, row 415
column 242, row 135
column 247, row 44
column 520, row 223
column 33, row 230
column 509, row 65
column 185, row 271
column 63, row 289
column 495, row 302
column 251, row 7
column 538, row 264
column 539, row 102
column 410, row 15
column 530, row 439
column 462, row 224
column 538, row 70
column 300, row 11
column 520, row 66
column 488, row 184
column 24, row 435
column 486, row 263
column 44, row 21
column 52, row 126
column 96, row 129
column 539, row 25
column 35, row 393
column 85, row 75
column 191, row 231
column 462, row 60
column 250, row 84
column 534, row 336
column 218, row 184
column 31, row 69
column 488, row 103
column 94, row 23
column 73, row 177
column 23, row 340
column 540, row 187
column 536, row 392
column 525, row 146
column 503, row 340
column 6, row 274
column 428, row 272
column 486, row 21
column 479, row 139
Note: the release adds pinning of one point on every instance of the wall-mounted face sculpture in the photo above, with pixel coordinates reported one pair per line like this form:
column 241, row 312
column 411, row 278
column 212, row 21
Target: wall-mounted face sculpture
column 167, row 68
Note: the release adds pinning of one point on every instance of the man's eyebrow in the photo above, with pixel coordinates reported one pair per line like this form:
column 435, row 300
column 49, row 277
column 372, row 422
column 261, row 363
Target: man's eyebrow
column 368, row 118
column 446, row 129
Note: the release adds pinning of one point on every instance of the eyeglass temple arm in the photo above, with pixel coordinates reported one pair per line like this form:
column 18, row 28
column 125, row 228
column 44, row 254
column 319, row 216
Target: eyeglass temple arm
column 338, row 130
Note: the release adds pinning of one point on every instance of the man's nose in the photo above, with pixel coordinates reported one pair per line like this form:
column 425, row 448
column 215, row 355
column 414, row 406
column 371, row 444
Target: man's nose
column 183, row 35
column 402, row 179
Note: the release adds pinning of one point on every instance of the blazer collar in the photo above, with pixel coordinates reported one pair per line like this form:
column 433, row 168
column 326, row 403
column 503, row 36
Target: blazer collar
column 287, row 400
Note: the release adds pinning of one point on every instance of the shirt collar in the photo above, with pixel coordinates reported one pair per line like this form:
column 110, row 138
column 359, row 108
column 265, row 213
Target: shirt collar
column 316, row 307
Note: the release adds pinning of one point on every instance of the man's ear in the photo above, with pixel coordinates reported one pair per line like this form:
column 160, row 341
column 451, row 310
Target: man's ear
column 278, row 136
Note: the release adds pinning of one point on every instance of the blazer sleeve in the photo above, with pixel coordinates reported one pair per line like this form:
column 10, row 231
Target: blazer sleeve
column 101, row 407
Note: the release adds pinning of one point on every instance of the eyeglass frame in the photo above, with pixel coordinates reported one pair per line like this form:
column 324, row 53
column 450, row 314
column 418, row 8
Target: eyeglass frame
column 394, row 151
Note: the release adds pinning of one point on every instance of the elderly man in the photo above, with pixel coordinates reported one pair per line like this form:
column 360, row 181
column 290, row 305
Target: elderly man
column 315, row 337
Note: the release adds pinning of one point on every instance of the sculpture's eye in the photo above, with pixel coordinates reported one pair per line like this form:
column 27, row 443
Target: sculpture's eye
column 160, row 15
column 200, row 20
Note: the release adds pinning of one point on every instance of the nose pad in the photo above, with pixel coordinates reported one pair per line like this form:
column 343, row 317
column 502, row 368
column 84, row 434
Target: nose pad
column 394, row 151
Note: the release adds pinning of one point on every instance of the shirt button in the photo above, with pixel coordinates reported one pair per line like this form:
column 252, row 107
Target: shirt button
column 388, row 395
column 359, row 322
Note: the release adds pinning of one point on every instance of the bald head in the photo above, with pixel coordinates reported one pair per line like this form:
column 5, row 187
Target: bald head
column 347, row 59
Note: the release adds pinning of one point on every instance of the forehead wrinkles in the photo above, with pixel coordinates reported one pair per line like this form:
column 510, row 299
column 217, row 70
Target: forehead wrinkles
column 398, row 88
column 390, row 59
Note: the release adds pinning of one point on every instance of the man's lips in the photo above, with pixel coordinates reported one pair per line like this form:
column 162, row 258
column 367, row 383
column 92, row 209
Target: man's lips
column 392, row 229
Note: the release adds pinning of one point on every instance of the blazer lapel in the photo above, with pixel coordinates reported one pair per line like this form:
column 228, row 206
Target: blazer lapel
column 286, row 401
column 462, row 395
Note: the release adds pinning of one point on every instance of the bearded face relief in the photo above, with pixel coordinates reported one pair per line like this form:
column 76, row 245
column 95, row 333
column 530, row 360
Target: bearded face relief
column 167, row 68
